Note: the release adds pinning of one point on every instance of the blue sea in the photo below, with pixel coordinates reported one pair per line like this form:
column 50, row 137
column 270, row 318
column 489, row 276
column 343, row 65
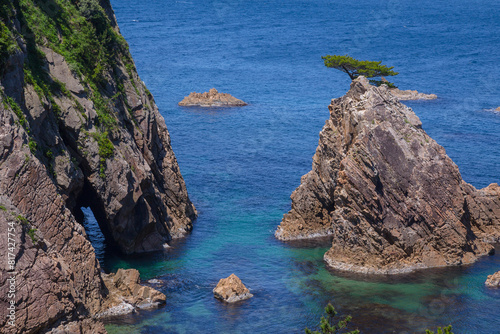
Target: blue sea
column 241, row 164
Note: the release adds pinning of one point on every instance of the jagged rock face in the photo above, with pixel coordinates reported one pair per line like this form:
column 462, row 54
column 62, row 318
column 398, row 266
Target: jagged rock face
column 493, row 281
column 484, row 207
column 135, row 189
column 211, row 98
column 125, row 294
column 58, row 276
column 388, row 193
column 68, row 142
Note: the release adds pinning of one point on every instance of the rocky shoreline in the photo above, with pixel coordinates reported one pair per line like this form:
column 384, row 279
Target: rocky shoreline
column 387, row 193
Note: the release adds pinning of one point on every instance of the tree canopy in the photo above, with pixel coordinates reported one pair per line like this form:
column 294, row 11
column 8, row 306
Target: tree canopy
column 328, row 326
column 354, row 68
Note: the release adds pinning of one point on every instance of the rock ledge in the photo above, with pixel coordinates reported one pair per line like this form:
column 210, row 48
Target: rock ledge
column 211, row 98
column 125, row 294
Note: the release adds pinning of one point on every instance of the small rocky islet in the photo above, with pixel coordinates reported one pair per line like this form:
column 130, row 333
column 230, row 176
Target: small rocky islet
column 493, row 281
column 407, row 95
column 231, row 290
column 212, row 98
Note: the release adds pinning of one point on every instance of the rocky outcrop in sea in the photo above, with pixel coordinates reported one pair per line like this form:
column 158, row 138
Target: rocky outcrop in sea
column 387, row 193
column 212, row 98
column 406, row 95
column 493, row 281
column 231, row 290
column 125, row 294
column 77, row 129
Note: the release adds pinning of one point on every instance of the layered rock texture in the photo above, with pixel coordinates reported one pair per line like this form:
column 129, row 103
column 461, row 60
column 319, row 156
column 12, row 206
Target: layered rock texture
column 231, row 290
column 78, row 128
column 212, row 98
column 493, row 281
column 125, row 294
column 387, row 193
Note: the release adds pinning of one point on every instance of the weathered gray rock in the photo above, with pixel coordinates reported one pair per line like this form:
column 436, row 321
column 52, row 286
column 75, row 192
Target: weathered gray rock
column 405, row 95
column 493, row 281
column 388, row 194
column 231, row 290
column 211, row 98
column 125, row 294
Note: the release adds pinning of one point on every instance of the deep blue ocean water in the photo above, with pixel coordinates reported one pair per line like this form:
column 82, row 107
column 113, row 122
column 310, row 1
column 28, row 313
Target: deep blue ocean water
column 241, row 164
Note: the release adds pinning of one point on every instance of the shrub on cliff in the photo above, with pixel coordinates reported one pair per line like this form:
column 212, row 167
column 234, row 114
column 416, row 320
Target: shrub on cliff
column 354, row 68
column 328, row 326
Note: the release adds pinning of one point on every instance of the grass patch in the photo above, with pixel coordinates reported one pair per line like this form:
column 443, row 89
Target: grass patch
column 106, row 150
column 11, row 104
column 32, row 235
column 22, row 220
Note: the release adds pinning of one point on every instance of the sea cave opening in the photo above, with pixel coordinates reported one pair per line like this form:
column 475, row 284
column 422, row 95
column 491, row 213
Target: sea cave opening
column 89, row 212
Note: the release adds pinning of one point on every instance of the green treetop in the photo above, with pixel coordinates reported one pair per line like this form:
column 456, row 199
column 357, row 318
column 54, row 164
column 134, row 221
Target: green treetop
column 328, row 326
column 354, row 68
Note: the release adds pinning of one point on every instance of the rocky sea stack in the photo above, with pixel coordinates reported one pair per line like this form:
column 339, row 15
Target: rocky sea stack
column 78, row 128
column 387, row 193
column 211, row 98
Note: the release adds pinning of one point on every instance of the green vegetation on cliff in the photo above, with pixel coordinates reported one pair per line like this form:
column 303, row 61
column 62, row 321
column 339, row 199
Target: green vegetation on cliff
column 82, row 32
column 7, row 44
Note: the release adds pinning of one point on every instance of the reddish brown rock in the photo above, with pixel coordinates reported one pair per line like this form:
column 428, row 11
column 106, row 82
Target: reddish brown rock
column 125, row 294
column 387, row 193
column 52, row 164
column 211, row 98
column 231, row 290
column 493, row 281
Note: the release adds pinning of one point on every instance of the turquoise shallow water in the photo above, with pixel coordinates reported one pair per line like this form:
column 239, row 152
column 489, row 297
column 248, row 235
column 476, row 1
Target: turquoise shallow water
column 241, row 165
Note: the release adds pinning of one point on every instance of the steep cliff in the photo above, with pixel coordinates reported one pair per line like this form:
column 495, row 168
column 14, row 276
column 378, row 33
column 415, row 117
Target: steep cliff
column 388, row 194
column 78, row 128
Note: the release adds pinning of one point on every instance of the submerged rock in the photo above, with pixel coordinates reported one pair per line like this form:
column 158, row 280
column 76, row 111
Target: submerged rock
column 405, row 95
column 231, row 290
column 493, row 281
column 125, row 294
column 387, row 193
column 211, row 98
